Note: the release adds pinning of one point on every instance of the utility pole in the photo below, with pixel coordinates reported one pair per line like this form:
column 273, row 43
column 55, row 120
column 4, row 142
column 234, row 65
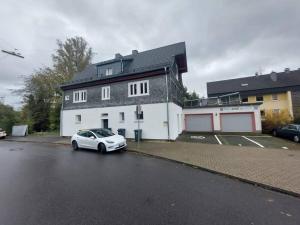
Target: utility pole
column 12, row 53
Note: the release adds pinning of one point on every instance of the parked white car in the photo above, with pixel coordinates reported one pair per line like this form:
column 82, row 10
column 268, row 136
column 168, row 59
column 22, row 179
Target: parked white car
column 2, row 133
column 102, row 140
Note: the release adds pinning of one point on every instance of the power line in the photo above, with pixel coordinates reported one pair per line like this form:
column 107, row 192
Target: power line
column 13, row 53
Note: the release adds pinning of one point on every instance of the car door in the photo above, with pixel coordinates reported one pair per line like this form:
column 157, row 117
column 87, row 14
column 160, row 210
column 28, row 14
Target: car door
column 292, row 131
column 82, row 139
column 91, row 140
column 283, row 131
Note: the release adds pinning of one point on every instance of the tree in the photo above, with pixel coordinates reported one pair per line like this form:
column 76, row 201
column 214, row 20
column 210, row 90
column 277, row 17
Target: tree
column 190, row 96
column 8, row 117
column 42, row 94
column 71, row 56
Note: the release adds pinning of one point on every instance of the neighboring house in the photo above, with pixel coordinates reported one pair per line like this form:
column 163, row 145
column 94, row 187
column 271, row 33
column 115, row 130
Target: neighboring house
column 106, row 94
column 277, row 92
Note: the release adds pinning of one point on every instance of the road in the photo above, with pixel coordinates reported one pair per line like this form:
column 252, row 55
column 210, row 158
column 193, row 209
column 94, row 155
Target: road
column 51, row 184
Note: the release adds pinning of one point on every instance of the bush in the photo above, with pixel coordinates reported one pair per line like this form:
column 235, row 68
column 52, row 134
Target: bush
column 271, row 121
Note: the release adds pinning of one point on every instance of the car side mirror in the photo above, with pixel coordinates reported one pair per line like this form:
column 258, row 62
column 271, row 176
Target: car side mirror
column 92, row 137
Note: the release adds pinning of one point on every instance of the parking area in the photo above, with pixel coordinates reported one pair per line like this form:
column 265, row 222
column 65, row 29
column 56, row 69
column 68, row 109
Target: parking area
column 247, row 139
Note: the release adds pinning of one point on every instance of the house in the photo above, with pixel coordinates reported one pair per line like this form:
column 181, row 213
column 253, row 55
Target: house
column 106, row 94
column 277, row 92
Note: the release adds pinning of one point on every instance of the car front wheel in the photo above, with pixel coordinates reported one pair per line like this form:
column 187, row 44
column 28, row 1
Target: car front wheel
column 274, row 133
column 102, row 148
column 296, row 139
column 74, row 145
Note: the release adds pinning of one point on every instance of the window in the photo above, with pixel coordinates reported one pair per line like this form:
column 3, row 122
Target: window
column 122, row 116
column 78, row 119
column 67, row 98
column 276, row 112
column 292, row 127
column 108, row 71
column 79, row 96
column 106, row 93
column 138, row 88
column 274, row 97
column 245, row 100
column 244, row 85
column 140, row 116
column 259, row 98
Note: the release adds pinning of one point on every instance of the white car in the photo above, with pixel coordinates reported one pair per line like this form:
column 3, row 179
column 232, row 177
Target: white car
column 2, row 133
column 102, row 140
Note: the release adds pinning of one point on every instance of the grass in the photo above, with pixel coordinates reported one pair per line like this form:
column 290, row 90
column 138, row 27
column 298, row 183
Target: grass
column 46, row 133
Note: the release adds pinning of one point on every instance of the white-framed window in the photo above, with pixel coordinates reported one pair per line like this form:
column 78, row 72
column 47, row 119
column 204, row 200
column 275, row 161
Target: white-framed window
column 79, row 96
column 105, row 93
column 77, row 119
column 67, row 98
column 108, row 71
column 122, row 117
column 274, row 97
column 138, row 88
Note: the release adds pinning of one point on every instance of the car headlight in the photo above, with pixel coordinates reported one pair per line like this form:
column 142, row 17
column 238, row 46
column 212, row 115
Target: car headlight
column 109, row 142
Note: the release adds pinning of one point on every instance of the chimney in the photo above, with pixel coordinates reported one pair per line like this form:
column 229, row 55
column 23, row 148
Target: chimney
column 134, row 52
column 287, row 70
column 118, row 56
column 273, row 76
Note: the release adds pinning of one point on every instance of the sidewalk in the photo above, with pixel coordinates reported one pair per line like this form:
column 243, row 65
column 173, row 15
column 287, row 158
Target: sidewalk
column 272, row 168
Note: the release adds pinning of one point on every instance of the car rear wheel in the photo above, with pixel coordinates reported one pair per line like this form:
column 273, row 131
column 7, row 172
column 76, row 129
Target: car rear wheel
column 74, row 145
column 274, row 133
column 102, row 148
column 296, row 139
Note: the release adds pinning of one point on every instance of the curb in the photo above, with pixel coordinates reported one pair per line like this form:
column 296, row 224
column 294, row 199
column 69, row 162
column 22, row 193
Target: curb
column 45, row 142
column 265, row 186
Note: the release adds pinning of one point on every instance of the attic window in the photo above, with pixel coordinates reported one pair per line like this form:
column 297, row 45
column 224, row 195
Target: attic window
column 244, row 85
column 108, row 71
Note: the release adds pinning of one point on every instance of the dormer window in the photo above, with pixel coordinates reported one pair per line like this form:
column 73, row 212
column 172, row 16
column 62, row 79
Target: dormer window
column 108, row 71
column 244, row 85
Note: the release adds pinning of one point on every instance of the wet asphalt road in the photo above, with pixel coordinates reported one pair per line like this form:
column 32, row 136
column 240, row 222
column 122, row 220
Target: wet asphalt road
column 51, row 184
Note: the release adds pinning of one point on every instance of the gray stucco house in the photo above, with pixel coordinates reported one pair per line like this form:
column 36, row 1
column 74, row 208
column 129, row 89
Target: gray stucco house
column 106, row 94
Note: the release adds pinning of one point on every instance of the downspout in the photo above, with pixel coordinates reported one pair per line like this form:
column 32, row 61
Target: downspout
column 168, row 119
column 61, row 113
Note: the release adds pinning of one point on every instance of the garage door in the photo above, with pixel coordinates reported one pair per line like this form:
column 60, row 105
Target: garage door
column 198, row 123
column 237, row 122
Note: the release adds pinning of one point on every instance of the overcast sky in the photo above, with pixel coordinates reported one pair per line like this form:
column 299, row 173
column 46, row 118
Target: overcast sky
column 224, row 39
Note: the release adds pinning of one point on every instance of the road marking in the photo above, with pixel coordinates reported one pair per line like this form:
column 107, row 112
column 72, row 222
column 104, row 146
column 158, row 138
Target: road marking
column 238, row 135
column 285, row 147
column 260, row 145
column 220, row 143
column 240, row 144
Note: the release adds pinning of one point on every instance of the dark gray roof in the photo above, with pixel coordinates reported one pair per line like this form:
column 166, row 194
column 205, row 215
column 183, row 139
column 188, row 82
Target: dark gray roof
column 141, row 62
column 260, row 82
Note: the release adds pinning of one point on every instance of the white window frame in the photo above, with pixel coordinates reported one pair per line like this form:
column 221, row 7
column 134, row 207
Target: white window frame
column 138, row 88
column 108, row 71
column 79, row 96
column 274, row 99
column 78, row 119
column 105, row 93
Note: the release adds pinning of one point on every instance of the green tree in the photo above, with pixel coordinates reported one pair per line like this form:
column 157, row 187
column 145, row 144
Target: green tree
column 42, row 94
column 8, row 117
column 190, row 96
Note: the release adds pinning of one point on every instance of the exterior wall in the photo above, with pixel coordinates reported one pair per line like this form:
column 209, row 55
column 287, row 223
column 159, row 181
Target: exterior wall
column 119, row 95
column 283, row 103
column 216, row 111
column 154, row 124
column 295, row 96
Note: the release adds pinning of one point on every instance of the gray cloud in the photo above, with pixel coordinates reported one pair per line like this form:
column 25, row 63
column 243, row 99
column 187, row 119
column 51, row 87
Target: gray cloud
column 224, row 39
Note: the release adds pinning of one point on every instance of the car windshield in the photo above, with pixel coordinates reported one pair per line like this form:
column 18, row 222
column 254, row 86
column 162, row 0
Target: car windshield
column 103, row 132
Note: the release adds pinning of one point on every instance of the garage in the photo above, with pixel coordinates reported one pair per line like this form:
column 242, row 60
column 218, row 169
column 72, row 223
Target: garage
column 237, row 122
column 199, row 122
